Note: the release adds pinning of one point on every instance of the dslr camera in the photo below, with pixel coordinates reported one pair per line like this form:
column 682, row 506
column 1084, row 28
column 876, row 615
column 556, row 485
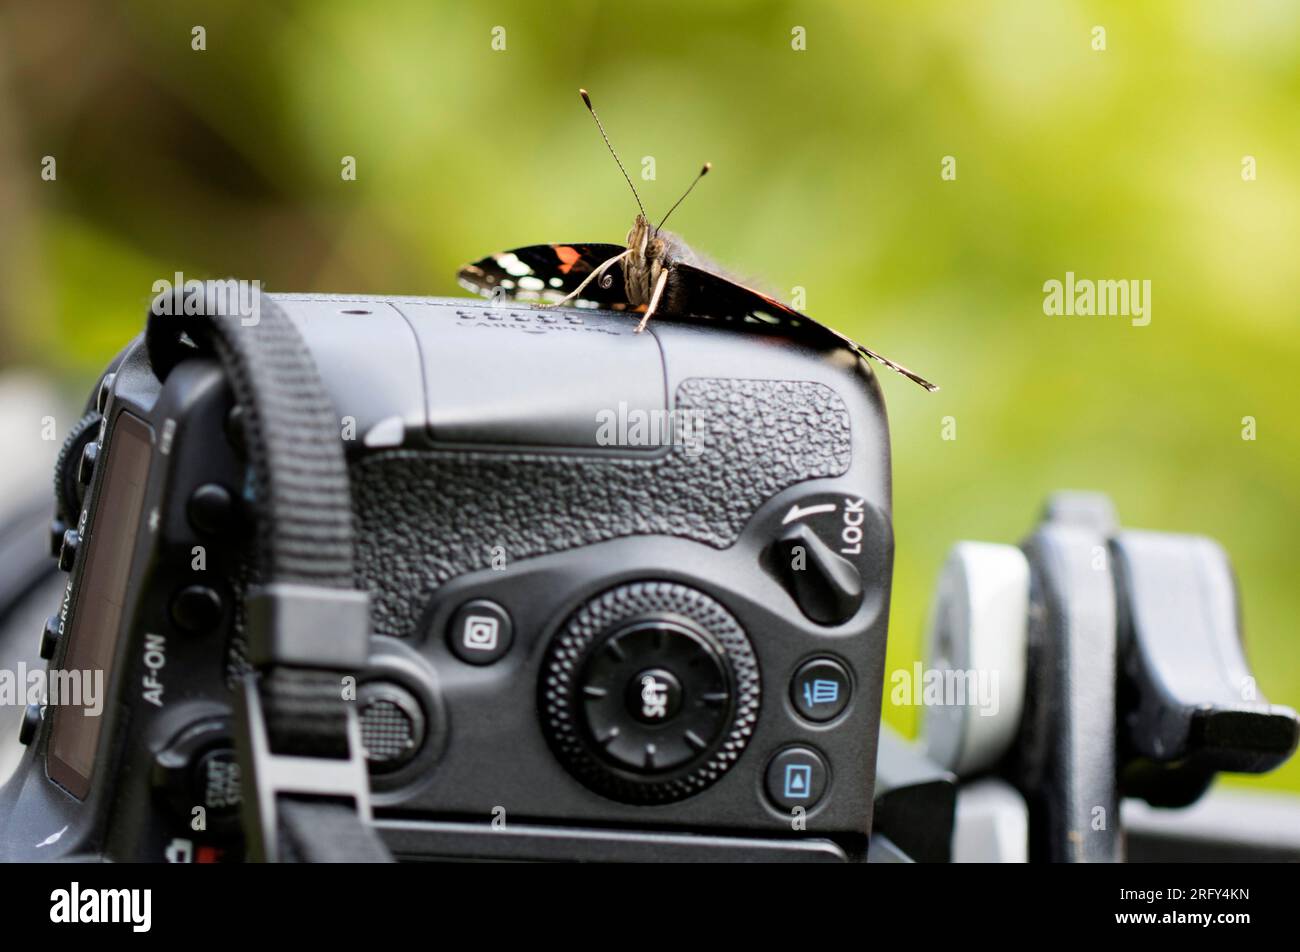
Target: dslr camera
column 588, row 594
column 352, row 578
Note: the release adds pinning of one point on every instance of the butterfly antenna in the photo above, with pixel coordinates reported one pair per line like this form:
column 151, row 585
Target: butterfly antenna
column 703, row 172
column 586, row 98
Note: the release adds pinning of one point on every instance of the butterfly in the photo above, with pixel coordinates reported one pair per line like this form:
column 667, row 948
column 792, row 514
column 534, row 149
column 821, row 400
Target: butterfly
column 656, row 272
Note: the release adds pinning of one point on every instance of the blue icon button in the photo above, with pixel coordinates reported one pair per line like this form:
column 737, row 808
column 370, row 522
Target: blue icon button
column 798, row 781
column 796, row 777
column 820, row 690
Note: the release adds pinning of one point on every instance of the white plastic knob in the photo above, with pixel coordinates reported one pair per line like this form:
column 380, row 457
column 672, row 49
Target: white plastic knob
column 976, row 648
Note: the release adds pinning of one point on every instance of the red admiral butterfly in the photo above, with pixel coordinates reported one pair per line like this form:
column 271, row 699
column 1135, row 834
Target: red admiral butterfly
column 655, row 273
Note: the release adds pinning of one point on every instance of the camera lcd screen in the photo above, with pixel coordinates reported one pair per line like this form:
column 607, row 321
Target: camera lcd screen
column 97, row 613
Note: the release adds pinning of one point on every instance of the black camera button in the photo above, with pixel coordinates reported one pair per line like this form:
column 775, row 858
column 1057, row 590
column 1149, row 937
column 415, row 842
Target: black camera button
column 57, row 528
column 210, row 508
column 31, row 721
column 49, row 637
column 480, row 632
column 821, row 689
column 797, row 777
column 652, row 747
column 653, row 696
column 68, row 549
column 199, row 768
column 86, row 466
column 215, row 781
column 197, row 609
column 656, row 695
column 105, row 388
column 393, row 726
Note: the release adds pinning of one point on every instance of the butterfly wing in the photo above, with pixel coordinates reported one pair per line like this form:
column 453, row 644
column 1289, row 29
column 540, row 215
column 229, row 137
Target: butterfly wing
column 695, row 293
column 547, row 273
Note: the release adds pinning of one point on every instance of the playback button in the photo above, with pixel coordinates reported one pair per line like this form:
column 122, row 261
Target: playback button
column 480, row 632
column 796, row 777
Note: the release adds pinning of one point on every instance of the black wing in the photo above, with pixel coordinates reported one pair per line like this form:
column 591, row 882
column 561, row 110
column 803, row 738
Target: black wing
column 548, row 273
column 695, row 293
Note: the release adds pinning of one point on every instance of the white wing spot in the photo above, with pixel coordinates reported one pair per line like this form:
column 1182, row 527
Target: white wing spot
column 511, row 264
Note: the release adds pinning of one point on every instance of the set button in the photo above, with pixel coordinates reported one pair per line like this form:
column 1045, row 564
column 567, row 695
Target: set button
column 655, row 696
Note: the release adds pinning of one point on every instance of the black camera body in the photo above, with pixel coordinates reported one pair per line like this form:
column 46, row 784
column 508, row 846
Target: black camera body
column 628, row 593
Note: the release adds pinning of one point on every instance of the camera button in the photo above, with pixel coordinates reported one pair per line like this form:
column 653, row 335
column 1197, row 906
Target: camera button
column 480, row 632
column 86, row 467
column 197, row 609
column 214, row 782
column 105, row 388
column 796, row 777
column 31, row 721
column 821, row 689
column 57, row 528
column 68, row 549
column 826, row 586
column 393, row 726
column 210, row 508
column 653, row 696
column 49, row 637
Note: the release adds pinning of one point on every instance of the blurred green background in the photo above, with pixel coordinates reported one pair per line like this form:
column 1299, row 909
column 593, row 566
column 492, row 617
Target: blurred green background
column 1124, row 163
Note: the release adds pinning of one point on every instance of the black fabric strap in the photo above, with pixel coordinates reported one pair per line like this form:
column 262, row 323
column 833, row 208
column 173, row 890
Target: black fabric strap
column 305, row 713
column 303, row 514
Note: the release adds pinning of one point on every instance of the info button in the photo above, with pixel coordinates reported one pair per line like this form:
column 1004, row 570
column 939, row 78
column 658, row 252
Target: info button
column 480, row 632
column 820, row 690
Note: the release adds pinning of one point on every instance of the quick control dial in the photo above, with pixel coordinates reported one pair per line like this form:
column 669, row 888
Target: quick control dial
column 650, row 692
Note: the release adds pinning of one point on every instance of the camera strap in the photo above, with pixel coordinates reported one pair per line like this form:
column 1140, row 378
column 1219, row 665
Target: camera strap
column 303, row 770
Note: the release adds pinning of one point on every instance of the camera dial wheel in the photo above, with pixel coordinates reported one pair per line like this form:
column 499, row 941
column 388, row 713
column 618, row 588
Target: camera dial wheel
column 650, row 692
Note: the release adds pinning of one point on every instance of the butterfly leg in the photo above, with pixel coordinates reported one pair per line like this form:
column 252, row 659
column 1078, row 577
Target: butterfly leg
column 600, row 270
column 654, row 300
